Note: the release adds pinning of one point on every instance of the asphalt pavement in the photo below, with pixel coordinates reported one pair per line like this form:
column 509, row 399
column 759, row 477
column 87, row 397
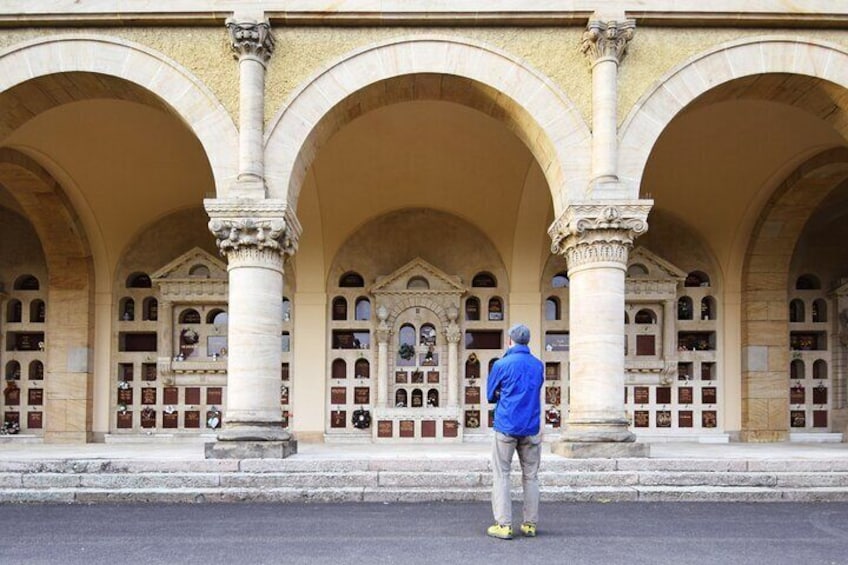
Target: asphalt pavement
column 432, row 533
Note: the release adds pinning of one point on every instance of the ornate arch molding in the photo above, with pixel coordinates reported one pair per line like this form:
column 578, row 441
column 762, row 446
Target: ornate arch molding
column 184, row 94
column 686, row 82
column 765, row 279
column 434, row 68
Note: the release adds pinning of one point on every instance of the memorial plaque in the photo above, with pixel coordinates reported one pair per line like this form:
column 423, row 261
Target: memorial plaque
column 338, row 395
column 36, row 397
column 663, row 418
column 707, row 371
column 450, row 428
column 170, row 420
column 797, row 395
column 709, row 419
column 663, row 395
column 798, row 418
column 433, row 377
column 384, row 428
column 417, row 377
column 417, row 398
column 148, row 418
column 641, row 395
column 552, row 395
column 406, row 428
column 13, row 396
column 214, row 395
column 684, row 395
column 124, row 420
column 472, row 395
column 148, row 395
column 171, row 395
column 472, row 419
column 551, row 371
column 362, row 395
column 400, row 377
column 284, row 372
column 472, row 370
column 684, row 419
column 428, row 428
column 192, row 419
column 338, row 418
column 819, row 396
column 708, row 395
column 148, row 371
column 34, row 420
column 641, row 419
column 819, row 418
column 125, row 396
column 192, row 396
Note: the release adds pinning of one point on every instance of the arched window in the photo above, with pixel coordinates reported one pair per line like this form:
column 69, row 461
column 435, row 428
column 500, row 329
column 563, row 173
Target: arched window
column 819, row 310
column 496, row 309
column 189, row 316
column 339, row 369
column 339, row 308
column 472, row 309
column 432, row 398
column 560, row 280
column 400, row 398
column 796, row 370
column 362, row 369
column 286, row 309
column 552, row 308
column 13, row 371
column 484, row 280
column 214, row 313
column 362, row 311
column 36, row 370
column 645, row 316
column 417, row 398
column 286, row 339
column 26, row 282
column 14, row 311
column 221, row 318
column 150, row 309
column 37, row 311
column 351, row 279
column 472, row 367
column 807, row 282
column 126, row 309
column 637, row 270
column 406, row 335
column 796, row 310
column 199, row 272
column 708, row 308
column 139, row 280
column 418, row 283
column 697, row 278
column 427, row 334
column 684, row 308
column 820, row 369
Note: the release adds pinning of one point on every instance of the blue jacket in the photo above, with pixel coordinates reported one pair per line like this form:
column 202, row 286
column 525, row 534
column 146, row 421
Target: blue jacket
column 515, row 383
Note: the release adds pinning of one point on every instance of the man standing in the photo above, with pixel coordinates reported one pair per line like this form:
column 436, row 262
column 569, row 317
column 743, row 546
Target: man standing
column 515, row 383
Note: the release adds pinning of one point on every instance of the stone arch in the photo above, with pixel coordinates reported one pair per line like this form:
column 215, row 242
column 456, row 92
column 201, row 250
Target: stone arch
column 691, row 79
column 403, row 305
column 765, row 278
column 168, row 82
column 428, row 68
column 70, row 291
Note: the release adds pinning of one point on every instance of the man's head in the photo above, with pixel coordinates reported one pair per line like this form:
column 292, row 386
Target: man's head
column 520, row 334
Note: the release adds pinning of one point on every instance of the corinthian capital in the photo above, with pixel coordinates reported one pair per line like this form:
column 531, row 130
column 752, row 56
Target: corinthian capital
column 602, row 232
column 251, row 39
column 605, row 40
column 261, row 225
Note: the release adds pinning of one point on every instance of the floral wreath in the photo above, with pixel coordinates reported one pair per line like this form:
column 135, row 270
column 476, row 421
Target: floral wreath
column 361, row 419
column 189, row 336
column 406, row 351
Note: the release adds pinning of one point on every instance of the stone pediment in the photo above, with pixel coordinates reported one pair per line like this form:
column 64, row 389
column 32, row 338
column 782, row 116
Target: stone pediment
column 659, row 282
column 418, row 276
column 658, row 268
column 193, row 275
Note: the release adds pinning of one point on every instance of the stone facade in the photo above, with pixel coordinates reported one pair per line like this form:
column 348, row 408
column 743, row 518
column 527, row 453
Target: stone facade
column 655, row 190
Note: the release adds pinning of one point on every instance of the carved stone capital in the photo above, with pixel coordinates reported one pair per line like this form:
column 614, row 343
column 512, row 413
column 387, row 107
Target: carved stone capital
column 452, row 333
column 595, row 233
column 607, row 40
column 251, row 39
column 383, row 334
column 265, row 226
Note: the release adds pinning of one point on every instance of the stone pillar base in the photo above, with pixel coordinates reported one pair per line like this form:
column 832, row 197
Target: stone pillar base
column 251, row 449
column 598, row 431
column 600, row 450
column 763, row 436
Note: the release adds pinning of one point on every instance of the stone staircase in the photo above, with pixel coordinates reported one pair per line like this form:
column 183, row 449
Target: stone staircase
column 416, row 479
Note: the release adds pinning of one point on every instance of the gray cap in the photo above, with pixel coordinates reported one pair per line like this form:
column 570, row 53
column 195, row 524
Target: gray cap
column 520, row 334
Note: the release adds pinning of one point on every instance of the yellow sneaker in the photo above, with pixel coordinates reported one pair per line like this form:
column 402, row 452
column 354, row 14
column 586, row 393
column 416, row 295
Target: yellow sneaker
column 528, row 529
column 499, row 531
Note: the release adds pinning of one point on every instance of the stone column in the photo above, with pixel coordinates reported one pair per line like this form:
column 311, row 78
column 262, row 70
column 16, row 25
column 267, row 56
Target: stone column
column 252, row 45
column 165, row 330
column 383, row 334
column 595, row 239
column 669, row 336
column 605, row 43
column 256, row 237
column 452, row 336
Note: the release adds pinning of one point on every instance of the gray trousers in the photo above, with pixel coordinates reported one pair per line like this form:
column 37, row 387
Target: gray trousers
column 529, row 455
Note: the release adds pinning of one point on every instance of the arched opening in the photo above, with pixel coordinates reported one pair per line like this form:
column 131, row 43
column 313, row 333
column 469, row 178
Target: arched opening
column 684, row 308
column 796, row 311
column 339, row 308
column 552, row 308
column 363, row 309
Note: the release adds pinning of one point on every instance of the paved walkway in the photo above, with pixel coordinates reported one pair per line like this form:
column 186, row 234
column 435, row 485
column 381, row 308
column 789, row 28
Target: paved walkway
column 186, row 451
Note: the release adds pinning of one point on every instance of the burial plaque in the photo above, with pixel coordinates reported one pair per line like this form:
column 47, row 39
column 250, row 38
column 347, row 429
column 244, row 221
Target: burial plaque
column 407, row 428
column 428, row 428
column 450, row 428
column 34, row 420
column 384, row 428
column 472, row 395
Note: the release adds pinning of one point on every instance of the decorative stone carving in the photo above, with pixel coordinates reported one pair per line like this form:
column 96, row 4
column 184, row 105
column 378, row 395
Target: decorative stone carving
column 251, row 39
column 590, row 233
column 257, row 225
column 607, row 40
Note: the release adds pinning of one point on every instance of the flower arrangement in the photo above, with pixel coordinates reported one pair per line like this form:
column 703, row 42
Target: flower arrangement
column 406, row 351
